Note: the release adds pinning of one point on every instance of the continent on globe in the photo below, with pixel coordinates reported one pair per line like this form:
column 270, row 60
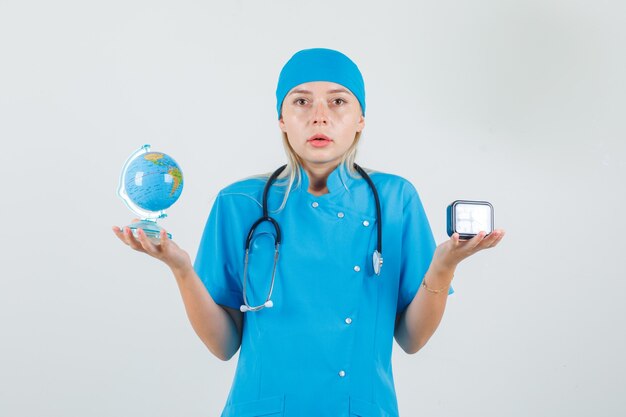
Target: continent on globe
column 178, row 179
column 156, row 158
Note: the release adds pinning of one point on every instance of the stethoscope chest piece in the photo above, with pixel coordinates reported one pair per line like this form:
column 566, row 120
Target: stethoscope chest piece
column 377, row 262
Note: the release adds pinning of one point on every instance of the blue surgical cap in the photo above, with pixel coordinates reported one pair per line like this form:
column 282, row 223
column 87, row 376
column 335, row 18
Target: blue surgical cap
column 320, row 64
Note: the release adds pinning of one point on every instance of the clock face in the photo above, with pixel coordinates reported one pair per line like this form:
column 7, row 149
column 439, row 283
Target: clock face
column 473, row 218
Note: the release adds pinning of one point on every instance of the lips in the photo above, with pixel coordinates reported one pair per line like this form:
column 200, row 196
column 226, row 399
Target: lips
column 318, row 137
column 319, row 140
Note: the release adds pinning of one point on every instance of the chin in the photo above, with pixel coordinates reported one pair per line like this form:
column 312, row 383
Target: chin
column 325, row 161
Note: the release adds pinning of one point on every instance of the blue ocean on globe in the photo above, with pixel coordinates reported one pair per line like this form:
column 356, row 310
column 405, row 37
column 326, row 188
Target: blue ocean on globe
column 154, row 181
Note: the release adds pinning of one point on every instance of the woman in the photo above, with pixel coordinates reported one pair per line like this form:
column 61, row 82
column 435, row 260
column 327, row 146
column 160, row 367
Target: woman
column 321, row 344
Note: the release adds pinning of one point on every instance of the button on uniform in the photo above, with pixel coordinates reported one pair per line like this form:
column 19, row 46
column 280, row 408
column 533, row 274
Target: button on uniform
column 342, row 373
column 315, row 204
column 340, row 215
column 357, row 268
column 348, row 320
column 366, row 223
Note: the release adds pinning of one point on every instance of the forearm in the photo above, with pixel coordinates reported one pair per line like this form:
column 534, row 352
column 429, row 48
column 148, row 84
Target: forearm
column 422, row 317
column 215, row 327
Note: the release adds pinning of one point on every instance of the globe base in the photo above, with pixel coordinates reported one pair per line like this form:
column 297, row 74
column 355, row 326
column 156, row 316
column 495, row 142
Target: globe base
column 150, row 228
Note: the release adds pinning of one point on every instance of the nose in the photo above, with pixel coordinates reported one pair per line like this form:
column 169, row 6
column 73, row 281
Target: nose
column 320, row 114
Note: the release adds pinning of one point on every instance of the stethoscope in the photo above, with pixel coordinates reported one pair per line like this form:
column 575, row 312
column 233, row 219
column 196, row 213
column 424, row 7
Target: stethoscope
column 377, row 257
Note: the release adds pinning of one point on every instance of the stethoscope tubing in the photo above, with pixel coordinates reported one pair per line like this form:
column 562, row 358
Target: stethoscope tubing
column 376, row 259
column 379, row 217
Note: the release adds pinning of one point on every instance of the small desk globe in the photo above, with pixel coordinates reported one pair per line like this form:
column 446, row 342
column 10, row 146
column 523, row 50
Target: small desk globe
column 149, row 184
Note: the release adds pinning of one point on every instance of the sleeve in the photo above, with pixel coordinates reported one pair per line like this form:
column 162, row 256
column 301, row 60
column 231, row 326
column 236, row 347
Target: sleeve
column 418, row 248
column 217, row 259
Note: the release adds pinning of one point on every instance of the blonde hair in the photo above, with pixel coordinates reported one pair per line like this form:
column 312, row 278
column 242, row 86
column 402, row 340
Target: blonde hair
column 291, row 175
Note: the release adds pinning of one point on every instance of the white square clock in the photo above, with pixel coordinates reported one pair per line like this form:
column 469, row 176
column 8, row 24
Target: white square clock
column 468, row 218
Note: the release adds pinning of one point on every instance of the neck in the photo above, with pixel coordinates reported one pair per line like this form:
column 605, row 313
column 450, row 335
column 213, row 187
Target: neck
column 318, row 176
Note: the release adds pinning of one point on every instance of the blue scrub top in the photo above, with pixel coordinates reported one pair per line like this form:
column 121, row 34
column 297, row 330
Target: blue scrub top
column 324, row 349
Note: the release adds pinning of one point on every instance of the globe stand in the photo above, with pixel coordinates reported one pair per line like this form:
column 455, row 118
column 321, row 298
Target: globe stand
column 150, row 228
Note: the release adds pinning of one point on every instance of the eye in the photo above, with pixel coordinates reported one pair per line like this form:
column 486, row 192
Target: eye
column 299, row 101
column 339, row 101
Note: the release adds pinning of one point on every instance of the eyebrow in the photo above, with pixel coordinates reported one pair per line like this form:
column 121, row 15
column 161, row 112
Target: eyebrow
column 302, row 91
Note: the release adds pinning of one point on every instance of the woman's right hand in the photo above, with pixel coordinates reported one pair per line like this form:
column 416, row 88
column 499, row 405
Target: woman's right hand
column 168, row 251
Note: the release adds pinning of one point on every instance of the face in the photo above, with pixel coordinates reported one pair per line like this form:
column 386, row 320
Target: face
column 321, row 120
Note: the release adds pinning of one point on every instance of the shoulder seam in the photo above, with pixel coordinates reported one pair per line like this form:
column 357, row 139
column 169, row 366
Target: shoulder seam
column 229, row 194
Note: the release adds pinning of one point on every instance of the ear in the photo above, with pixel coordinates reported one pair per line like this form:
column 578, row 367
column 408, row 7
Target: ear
column 281, row 124
column 361, row 123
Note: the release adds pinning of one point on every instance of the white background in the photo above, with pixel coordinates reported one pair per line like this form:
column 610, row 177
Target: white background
column 520, row 103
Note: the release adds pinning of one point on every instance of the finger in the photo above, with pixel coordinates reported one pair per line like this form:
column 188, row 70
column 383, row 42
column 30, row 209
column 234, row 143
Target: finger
column 500, row 235
column 146, row 244
column 131, row 241
column 476, row 240
column 119, row 233
column 489, row 240
column 164, row 239
column 493, row 238
column 458, row 243
column 122, row 235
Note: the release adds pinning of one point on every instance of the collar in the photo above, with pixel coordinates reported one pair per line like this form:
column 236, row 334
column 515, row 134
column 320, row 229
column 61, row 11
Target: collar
column 337, row 182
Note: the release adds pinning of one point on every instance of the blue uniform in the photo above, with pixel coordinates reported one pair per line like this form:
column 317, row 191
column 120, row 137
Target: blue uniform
column 324, row 349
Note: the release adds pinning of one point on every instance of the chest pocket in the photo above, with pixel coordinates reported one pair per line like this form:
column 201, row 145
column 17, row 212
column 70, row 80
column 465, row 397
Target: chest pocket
column 270, row 407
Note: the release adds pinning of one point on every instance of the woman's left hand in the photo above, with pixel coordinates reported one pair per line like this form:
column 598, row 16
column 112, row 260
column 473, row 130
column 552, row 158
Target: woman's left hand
column 451, row 252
